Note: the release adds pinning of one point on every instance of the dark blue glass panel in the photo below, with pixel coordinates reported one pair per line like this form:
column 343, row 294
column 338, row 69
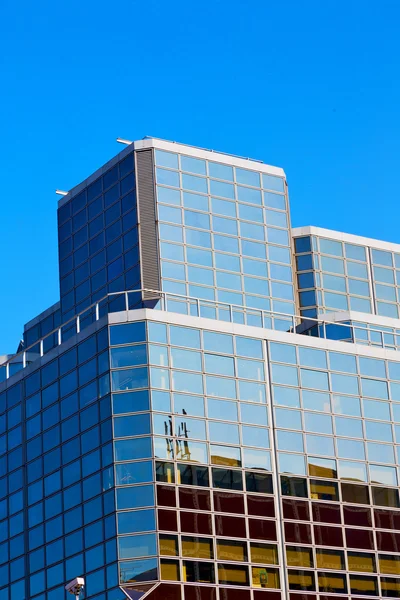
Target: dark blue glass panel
column 111, row 195
column 126, row 165
column 302, row 244
column 128, row 334
column 94, row 189
column 79, row 202
column 110, row 177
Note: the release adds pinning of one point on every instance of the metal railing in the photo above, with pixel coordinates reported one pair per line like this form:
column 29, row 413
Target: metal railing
column 197, row 307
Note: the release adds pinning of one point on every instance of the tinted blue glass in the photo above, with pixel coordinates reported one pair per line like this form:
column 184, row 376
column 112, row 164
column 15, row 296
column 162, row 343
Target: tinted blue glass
column 128, row 356
column 32, row 383
column 218, row 342
column 184, row 336
column 136, row 521
column 132, row 547
column 127, row 334
column 132, row 449
column 311, row 357
column 138, row 570
column 135, row 497
column 128, row 426
column 131, row 473
column 33, row 405
column 130, row 379
column 130, row 402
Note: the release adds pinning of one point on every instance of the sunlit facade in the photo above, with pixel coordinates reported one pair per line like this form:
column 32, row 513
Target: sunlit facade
column 212, row 410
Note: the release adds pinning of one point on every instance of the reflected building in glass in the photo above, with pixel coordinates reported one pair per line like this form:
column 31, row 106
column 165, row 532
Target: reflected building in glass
column 212, row 410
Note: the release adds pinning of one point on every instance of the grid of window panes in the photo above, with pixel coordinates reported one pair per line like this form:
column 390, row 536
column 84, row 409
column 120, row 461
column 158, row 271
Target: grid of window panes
column 214, row 509
column 357, row 332
column 42, row 329
column 337, row 432
column 386, row 280
column 376, row 335
column 57, row 507
column 98, row 240
column 224, row 233
column 332, row 276
column 335, row 276
column 15, row 365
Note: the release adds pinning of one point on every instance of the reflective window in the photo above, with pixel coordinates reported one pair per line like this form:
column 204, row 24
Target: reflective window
column 314, row 379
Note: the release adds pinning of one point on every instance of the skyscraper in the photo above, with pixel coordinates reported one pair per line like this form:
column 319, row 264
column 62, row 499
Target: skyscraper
column 212, row 410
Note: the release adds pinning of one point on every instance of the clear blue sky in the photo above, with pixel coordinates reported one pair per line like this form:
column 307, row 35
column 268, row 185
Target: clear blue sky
column 310, row 86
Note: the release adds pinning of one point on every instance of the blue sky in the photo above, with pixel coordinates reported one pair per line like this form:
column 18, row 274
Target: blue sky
column 310, row 86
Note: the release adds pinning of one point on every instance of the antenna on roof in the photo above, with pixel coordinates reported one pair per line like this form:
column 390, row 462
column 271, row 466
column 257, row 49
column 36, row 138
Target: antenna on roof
column 123, row 141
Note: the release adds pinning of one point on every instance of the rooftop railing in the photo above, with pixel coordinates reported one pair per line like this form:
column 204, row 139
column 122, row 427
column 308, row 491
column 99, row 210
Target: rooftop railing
column 196, row 307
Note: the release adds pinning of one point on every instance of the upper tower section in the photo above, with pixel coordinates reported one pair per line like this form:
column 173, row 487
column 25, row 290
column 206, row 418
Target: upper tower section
column 223, row 228
column 342, row 272
column 98, row 236
column 167, row 217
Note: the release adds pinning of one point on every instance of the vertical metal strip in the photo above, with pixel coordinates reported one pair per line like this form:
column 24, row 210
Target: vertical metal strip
column 275, row 476
column 292, row 259
column 147, row 219
column 371, row 281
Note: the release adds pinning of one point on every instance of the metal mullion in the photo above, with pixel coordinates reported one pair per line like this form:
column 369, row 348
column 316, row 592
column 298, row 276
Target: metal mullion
column 279, row 521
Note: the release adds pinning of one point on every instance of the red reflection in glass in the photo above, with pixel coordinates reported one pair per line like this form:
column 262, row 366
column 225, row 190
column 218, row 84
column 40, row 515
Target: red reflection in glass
column 262, row 530
column 359, row 538
column 195, row 592
column 260, row 507
column 328, row 536
column 388, row 541
column 166, row 495
column 387, row 519
column 165, row 591
column 196, row 499
column 234, row 594
column 357, row 515
column 298, row 533
column 230, row 526
column 295, row 509
column 195, row 522
column 326, row 513
column 230, row 503
column 167, row 520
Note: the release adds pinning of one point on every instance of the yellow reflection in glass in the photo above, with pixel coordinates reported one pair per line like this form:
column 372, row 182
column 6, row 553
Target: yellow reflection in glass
column 197, row 547
column 233, row 575
column 355, row 493
column 324, row 490
column 391, row 586
column 389, row 564
column 322, row 468
column 301, row 580
column 225, row 456
column 203, row 572
column 385, row 497
column 262, row 577
column 332, row 582
column 264, row 553
column 358, row 561
column 330, row 559
column 170, row 570
column 299, row 557
column 363, row 585
column 231, row 550
column 169, row 545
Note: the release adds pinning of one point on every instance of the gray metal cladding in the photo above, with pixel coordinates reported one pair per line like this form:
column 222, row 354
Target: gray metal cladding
column 149, row 255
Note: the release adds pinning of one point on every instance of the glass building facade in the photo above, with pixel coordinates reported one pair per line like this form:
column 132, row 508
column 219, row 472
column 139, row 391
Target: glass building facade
column 194, row 420
column 338, row 275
